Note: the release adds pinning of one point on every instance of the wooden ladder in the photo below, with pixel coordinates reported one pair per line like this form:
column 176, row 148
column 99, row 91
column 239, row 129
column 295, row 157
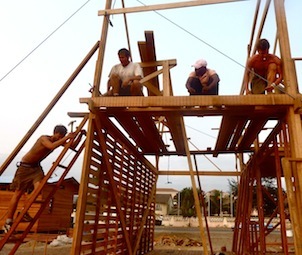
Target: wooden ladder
column 45, row 202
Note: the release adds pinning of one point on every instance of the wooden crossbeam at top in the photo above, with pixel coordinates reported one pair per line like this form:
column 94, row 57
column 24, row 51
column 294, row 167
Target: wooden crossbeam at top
column 163, row 6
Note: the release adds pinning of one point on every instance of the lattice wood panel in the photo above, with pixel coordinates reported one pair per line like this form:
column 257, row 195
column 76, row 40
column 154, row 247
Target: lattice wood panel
column 118, row 195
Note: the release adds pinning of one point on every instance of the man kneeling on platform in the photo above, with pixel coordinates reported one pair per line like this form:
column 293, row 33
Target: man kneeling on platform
column 124, row 78
column 202, row 81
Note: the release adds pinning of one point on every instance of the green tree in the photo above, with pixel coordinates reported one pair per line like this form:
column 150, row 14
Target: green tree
column 233, row 184
column 270, row 194
column 187, row 203
column 214, row 202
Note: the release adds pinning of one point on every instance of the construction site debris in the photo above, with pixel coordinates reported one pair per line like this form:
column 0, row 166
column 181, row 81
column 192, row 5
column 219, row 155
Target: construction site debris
column 173, row 241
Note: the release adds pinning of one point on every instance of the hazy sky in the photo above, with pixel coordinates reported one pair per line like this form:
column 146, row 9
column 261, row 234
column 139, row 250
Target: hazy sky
column 42, row 43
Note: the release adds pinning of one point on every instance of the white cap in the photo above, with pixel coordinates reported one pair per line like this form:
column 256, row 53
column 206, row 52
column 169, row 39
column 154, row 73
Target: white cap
column 200, row 63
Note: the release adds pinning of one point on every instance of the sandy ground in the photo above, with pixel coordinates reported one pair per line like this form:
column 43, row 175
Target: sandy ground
column 37, row 248
column 163, row 241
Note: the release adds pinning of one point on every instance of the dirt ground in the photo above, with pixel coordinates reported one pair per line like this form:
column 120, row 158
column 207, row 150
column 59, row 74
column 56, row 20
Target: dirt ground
column 188, row 241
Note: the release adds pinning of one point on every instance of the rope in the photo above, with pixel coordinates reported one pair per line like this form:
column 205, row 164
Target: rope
column 219, row 51
column 43, row 41
column 206, row 157
column 196, row 37
column 201, row 132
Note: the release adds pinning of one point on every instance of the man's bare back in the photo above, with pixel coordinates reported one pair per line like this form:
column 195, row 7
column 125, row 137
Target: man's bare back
column 43, row 147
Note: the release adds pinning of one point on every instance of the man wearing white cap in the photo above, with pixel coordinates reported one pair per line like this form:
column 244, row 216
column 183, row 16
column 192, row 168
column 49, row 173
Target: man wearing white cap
column 202, row 81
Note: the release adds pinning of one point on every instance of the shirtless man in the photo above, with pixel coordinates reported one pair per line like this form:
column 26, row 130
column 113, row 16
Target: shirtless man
column 264, row 70
column 30, row 173
column 202, row 81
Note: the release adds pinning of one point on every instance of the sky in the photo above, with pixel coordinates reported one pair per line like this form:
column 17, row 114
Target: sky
column 43, row 42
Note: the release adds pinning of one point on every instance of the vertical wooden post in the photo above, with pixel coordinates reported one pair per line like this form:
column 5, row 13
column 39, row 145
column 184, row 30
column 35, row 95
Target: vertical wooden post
column 167, row 80
column 195, row 194
column 260, row 213
column 102, row 46
column 82, row 199
column 293, row 119
column 280, row 198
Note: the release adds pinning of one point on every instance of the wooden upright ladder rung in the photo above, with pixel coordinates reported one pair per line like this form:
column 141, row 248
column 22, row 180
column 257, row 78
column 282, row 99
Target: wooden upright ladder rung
column 62, row 166
column 73, row 149
column 39, row 201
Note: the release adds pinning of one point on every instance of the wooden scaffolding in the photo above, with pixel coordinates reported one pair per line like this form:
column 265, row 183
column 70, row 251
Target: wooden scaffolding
column 116, row 206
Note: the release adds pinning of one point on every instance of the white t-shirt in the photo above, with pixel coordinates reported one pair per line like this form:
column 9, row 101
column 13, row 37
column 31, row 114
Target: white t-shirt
column 132, row 69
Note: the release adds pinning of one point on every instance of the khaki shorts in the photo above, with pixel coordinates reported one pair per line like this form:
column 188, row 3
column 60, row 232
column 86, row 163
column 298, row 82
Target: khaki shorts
column 258, row 85
column 26, row 177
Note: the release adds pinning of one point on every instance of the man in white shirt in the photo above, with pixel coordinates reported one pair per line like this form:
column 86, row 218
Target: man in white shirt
column 124, row 78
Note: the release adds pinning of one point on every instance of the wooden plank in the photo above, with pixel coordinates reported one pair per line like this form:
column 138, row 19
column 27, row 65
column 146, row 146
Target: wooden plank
column 147, row 54
column 191, row 101
column 82, row 200
column 107, row 123
column 241, row 123
column 195, row 193
column 251, row 132
column 131, row 127
column 151, row 132
column 226, row 131
column 162, row 6
column 174, row 125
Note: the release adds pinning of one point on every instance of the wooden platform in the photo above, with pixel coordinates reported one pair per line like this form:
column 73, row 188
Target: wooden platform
column 243, row 118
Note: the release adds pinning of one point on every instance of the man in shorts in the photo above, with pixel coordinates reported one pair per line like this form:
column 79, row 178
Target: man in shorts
column 264, row 70
column 202, row 81
column 124, row 78
column 30, row 173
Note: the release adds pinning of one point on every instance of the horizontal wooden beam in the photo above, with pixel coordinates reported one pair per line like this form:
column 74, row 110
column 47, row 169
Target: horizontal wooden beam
column 163, row 6
column 205, row 173
column 191, row 101
column 170, row 62
column 77, row 114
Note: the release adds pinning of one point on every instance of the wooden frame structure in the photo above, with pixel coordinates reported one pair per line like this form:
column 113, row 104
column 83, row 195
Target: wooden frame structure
column 115, row 213
column 239, row 131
